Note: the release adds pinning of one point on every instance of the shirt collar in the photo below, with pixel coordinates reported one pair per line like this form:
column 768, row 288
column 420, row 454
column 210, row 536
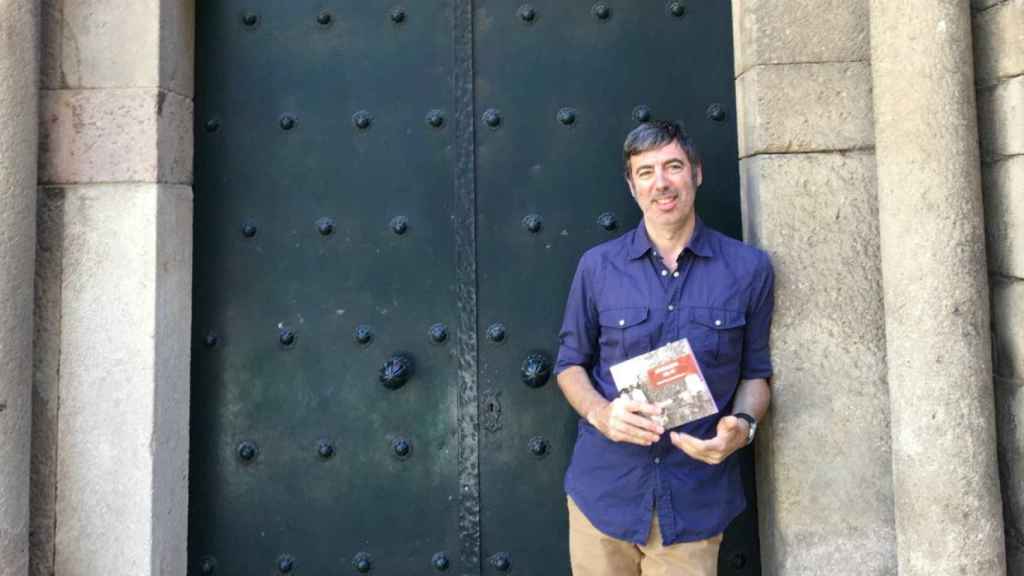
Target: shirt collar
column 698, row 244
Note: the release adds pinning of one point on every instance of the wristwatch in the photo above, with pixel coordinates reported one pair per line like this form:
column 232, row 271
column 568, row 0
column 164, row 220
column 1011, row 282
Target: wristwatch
column 753, row 425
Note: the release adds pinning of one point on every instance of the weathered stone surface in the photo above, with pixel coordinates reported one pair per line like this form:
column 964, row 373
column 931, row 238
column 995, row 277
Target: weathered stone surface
column 45, row 390
column 1009, row 410
column 1008, row 326
column 945, row 474
column 50, row 40
column 804, row 108
column 136, row 135
column 1001, row 119
column 796, row 31
column 824, row 468
column 999, row 42
column 160, row 34
column 1003, row 189
column 122, row 433
column 19, row 82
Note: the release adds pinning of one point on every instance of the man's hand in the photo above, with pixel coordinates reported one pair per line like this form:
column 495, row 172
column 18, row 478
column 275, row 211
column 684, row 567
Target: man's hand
column 626, row 420
column 731, row 436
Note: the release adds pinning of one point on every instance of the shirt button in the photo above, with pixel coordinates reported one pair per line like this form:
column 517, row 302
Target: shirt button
column 657, row 460
column 622, row 322
column 675, row 274
column 718, row 322
column 671, row 307
column 664, row 272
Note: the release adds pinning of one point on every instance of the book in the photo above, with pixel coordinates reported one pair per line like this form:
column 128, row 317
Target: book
column 668, row 377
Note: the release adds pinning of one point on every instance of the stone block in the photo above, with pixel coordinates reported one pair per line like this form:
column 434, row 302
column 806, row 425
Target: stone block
column 804, row 108
column 979, row 5
column 122, row 433
column 135, row 135
column 796, row 31
column 1009, row 396
column 823, row 495
column 999, row 42
column 128, row 44
column 1001, row 119
column 1008, row 326
column 45, row 388
column 1003, row 190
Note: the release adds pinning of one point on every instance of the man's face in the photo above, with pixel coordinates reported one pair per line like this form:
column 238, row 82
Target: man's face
column 664, row 184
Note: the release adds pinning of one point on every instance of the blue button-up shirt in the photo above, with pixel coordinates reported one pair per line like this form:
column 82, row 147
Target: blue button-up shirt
column 624, row 302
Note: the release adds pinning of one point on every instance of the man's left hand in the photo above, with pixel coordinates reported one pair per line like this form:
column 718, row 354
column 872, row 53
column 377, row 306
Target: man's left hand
column 731, row 436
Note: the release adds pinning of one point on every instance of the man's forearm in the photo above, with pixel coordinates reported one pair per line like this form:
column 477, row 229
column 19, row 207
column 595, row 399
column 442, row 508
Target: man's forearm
column 579, row 391
column 753, row 397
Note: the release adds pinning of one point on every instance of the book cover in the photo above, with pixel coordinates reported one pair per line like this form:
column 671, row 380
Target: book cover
column 668, row 377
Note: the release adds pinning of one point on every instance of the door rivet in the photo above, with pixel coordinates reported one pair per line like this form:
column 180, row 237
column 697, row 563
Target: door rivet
column 677, row 9
column 439, row 561
column 435, row 118
column 567, row 116
column 248, row 229
column 438, row 333
column 287, row 337
column 325, row 226
column 212, row 125
column 362, row 562
column 527, row 13
column 602, row 11
column 399, row 225
column 532, row 222
column 211, row 339
column 324, row 18
column 715, row 112
column 501, row 561
column 396, row 371
column 401, row 447
column 538, row 446
column 250, row 20
column 285, row 563
column 492, row 118
column 287, row 122
column 739, row 560
column 207, row 565
column 642, row 113
column 247, row 450
column 324, row 448
column 398, row 15
column 362, row 119
column 608, row 221
column 496, row 332
column 535, row 370
column 363, row 334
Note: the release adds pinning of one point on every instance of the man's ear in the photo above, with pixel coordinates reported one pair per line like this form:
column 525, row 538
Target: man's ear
column 698, row 175
column 629, row 183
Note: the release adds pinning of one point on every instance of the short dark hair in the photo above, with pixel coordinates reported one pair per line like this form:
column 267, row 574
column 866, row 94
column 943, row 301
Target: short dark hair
column 655, row 134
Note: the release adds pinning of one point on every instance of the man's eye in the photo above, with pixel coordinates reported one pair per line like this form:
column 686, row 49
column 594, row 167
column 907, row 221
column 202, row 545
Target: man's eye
column 676, row 167
column 644, row 174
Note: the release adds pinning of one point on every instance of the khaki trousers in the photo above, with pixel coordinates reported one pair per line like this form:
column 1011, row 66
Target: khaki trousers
column 592, row 553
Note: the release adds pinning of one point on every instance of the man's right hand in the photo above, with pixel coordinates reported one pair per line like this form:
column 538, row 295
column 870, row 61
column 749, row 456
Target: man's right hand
column 626, row 420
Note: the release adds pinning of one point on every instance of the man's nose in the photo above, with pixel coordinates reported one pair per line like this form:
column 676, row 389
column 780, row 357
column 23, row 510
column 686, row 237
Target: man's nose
column 660, row 182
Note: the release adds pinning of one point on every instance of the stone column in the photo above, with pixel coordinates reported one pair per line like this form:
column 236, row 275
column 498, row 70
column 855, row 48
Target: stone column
column 999, row 77
column 115, row 259
column 19, row 89
column 946, row 484
column 808, row 176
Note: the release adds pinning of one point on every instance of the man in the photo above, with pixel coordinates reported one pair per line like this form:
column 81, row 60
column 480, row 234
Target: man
column 643, row 501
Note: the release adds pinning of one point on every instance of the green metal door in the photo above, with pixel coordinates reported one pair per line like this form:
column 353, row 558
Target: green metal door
column 390, row 202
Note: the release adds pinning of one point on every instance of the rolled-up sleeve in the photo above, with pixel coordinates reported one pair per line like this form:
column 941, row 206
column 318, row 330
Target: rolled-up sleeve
column 578, row 337
column 757, row 361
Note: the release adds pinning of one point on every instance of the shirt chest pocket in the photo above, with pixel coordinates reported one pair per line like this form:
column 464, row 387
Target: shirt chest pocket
column 717, row 334
column 625, row 332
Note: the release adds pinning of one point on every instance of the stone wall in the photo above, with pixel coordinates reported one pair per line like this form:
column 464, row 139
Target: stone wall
column 999, row 76
column 807, row 168
column 113, row 286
